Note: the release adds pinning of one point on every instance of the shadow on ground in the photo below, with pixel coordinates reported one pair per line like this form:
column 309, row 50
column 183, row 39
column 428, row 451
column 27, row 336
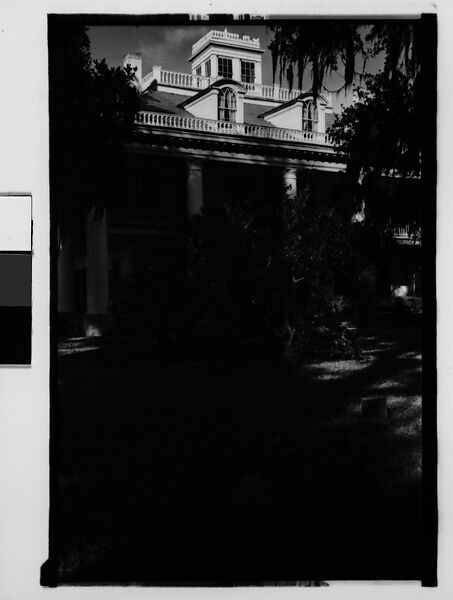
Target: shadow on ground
column 230, row 468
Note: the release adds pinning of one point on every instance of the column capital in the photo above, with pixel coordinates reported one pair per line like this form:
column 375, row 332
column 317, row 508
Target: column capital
column 194, row 164
column 290, row 181
column 290, row 172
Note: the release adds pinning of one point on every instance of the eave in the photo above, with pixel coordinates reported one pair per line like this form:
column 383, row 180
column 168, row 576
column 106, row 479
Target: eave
column 235, row 148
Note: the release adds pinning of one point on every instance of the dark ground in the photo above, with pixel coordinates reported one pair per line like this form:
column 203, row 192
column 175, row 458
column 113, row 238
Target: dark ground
column 228, row 468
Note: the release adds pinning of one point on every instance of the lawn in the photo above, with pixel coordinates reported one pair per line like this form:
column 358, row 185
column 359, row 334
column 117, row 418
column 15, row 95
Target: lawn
column 228, row 467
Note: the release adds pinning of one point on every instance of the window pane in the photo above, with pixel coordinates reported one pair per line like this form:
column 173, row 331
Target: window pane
column 208, row 68
column 247, row 71
column 309, row 116
column 227, row 105
column 225, row 67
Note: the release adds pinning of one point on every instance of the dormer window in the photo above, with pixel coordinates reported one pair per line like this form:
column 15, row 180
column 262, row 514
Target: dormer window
column 309, row 116
column 225, row 67
column 227, row 105
column 220, row 101
column 247, row 71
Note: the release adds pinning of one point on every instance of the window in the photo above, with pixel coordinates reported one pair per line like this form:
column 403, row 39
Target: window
column 198, row 80
column 309, row 116
column 227, row 105
column 247, row 71
column 208, row 68
column 225, row 67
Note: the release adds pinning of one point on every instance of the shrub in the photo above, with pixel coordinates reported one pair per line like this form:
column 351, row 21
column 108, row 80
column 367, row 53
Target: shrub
column 277, row 277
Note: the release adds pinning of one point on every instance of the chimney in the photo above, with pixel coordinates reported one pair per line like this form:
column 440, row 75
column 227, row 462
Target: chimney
column 134, row 60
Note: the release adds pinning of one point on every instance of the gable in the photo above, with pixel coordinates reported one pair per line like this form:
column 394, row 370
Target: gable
column 205, row 104
column 288, row 116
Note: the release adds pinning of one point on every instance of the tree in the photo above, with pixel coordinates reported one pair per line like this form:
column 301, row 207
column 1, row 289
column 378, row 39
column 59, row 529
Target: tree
column 274, row 277
column 379, row 133
column 92, row 108
column 316, row 44
column 323, row 46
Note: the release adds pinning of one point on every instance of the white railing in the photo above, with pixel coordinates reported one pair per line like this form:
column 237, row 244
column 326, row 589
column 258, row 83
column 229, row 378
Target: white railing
column 226, row 35
column 153, row 119
column 270, row 92
column 257, row 90
column 406, row 234
column 200, row 82
column 195, row 82
column 285, row 94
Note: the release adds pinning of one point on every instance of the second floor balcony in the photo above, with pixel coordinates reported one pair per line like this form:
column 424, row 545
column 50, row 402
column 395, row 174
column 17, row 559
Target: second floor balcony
column 162, row 120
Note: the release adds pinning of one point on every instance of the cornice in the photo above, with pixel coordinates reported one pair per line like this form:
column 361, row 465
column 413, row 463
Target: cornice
column 236, row 145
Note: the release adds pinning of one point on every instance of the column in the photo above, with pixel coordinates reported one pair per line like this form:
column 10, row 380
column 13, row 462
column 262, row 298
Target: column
column 290, row 183
column 97, row 272
column 66, row 299
column 194, row 186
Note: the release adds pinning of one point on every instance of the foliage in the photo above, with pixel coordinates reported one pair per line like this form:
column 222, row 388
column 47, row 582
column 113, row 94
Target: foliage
column 276, row 278
column 315, row 44
column 401, row 42
column 380, row 132
column 92, row 107
column 324, row 45
column 318, row 255
column 380, row 135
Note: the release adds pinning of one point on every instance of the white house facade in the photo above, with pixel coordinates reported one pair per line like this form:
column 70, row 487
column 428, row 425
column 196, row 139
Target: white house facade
column 198, row 136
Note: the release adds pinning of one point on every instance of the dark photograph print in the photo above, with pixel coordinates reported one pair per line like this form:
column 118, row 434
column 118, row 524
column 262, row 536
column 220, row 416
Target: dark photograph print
column 237, row 265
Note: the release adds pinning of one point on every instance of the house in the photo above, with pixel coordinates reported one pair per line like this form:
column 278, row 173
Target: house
column 198, row 137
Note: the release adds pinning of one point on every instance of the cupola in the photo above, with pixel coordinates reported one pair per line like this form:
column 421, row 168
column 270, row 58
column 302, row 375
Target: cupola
column 226, row 55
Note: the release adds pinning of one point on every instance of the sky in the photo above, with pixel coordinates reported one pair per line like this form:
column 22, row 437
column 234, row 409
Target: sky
column 170, row 47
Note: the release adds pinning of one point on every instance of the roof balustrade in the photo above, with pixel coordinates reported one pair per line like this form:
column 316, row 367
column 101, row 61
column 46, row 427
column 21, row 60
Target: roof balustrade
column 154, row 119
column 200, row 82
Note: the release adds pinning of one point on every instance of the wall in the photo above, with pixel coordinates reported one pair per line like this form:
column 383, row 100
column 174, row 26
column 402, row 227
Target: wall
column 235, row 55
column 291, row 117
column 206, row 107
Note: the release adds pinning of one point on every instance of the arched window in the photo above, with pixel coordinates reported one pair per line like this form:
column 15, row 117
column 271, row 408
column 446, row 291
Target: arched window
column 309, row 116
column 227, row 105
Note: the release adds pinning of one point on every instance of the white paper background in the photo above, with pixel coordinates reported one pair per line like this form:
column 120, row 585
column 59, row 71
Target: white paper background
column 15, row 223
column 24, row 402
